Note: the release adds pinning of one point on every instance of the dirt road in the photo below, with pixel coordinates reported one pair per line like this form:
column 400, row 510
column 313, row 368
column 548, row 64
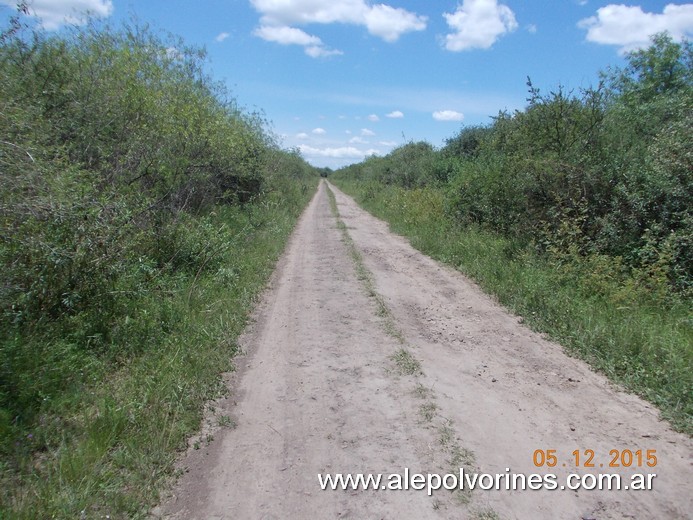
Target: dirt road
column 368, row 357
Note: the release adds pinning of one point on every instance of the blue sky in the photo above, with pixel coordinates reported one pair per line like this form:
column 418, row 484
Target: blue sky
column 342, row 79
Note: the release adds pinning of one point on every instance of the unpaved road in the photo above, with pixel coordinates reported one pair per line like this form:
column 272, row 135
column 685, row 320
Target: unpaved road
column 320, row 390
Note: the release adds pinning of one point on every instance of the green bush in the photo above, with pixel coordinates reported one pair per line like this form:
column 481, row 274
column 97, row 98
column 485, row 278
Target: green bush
column 604, row 171
column 140, row 213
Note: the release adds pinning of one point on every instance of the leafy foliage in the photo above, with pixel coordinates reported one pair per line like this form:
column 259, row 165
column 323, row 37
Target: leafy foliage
column 410, row 165
column 134, row 195
column 605, row 171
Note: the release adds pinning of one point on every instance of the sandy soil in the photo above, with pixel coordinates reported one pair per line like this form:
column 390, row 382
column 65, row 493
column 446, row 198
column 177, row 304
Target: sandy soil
column 319, row 391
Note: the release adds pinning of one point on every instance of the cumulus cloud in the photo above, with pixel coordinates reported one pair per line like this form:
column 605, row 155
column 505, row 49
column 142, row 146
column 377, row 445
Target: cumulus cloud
column 302, row 135
column 380, row 20
column 477, row 24
column 367, row 133
column 284, row 35
column 387, row 143
column 357, row 140
column 395, row 115
column 630, row 28
column 342, row 152
column 54, row 14
column 390, row 23
column 319, row 131
column 448, row 115
column 373, row 118
column 221, row 37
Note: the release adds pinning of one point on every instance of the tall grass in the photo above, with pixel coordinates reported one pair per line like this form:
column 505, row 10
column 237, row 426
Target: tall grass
column 634, row 339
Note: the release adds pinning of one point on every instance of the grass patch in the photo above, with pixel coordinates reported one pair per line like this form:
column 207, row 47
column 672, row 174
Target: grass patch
column 224, row 421
column 644, row 346
column 407, row 365
column 427, row 411
column 460, row 458
column 421, row 392
column 485, row 514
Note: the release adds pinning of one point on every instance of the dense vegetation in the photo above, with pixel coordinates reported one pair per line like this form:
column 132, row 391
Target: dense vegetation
column 575, row 211
column 141, row 211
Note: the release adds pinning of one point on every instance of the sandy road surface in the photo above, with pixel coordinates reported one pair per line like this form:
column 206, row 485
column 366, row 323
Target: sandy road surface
column 320, row 391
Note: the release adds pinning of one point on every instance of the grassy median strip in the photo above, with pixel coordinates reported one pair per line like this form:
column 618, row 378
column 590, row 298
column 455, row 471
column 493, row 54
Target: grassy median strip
column 407, row 365
column 362, row 273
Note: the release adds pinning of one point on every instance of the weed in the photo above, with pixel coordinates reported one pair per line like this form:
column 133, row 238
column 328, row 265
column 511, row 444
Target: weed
column 224, row 421
column 407, row 364
column 485, row 514
column 428, row 411
column 422, row 392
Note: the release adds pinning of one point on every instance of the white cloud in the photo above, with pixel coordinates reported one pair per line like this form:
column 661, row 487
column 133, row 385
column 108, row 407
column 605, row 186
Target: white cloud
column 318, row 51
column 532, row 28
column 221, row 37
column 53, row 14
column 357, row 140
column 287, row 12
column 448, row 115
column 366, row 132
column 284, row 35
column 302, row 135
column 478, row 24
column 395, row 115
column 390, row 23
column 343, row 152
column 387, row 143
column 319, row 131
column 380, row 20
column 630, row 28
column 373, row 118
